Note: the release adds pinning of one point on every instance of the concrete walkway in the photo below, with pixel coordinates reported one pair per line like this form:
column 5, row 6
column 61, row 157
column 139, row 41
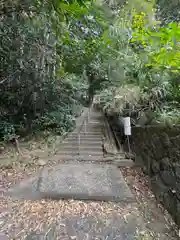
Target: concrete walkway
column 82, row 174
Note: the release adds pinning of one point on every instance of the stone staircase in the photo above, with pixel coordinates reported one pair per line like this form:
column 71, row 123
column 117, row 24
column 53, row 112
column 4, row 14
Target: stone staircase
column 86, row 142
column 83, row 147
column 84, row 172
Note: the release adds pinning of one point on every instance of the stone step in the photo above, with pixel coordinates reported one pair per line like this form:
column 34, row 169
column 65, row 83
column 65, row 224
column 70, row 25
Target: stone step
column 79, row 158
column 91, row 138
column 87, row 133
column 84, row 181
column 95, row 116
column 74, row 142
column 113, row 157
column 82, row 152
column 86, row 151
column 92, row 130
column 83, row 147
column 92, row 124
column 91, row 153
column 85, row 138
column 96, row 159
column 94, row 121
column 92, row 133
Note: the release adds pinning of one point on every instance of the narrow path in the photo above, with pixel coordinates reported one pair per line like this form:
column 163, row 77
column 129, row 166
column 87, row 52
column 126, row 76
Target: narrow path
column 110, row 210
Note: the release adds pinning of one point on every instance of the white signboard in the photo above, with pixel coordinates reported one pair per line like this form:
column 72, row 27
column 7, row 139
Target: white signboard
column 127, row 126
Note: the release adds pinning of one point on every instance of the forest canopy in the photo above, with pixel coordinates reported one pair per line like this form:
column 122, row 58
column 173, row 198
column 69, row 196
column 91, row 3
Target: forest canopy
column 55, row 56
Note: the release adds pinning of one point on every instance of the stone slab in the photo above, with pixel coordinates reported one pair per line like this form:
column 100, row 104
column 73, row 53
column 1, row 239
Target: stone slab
column 85, row 181
column 81, row 181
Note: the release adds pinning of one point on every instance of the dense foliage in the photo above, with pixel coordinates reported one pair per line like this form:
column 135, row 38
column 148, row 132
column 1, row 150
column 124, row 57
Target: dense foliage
column 150, row 79
column 56, row 55
column 35, row 93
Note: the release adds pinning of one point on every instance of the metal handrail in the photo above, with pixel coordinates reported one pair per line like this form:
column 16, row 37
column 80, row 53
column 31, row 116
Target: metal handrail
column 84, row 123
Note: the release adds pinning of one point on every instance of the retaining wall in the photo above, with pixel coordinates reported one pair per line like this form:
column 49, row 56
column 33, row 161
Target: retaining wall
column 157, row 149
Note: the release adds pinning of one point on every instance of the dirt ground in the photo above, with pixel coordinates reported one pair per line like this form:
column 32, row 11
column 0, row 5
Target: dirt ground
column 157, row 219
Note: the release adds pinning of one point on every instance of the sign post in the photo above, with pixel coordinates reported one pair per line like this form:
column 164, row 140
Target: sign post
column 127, row 129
